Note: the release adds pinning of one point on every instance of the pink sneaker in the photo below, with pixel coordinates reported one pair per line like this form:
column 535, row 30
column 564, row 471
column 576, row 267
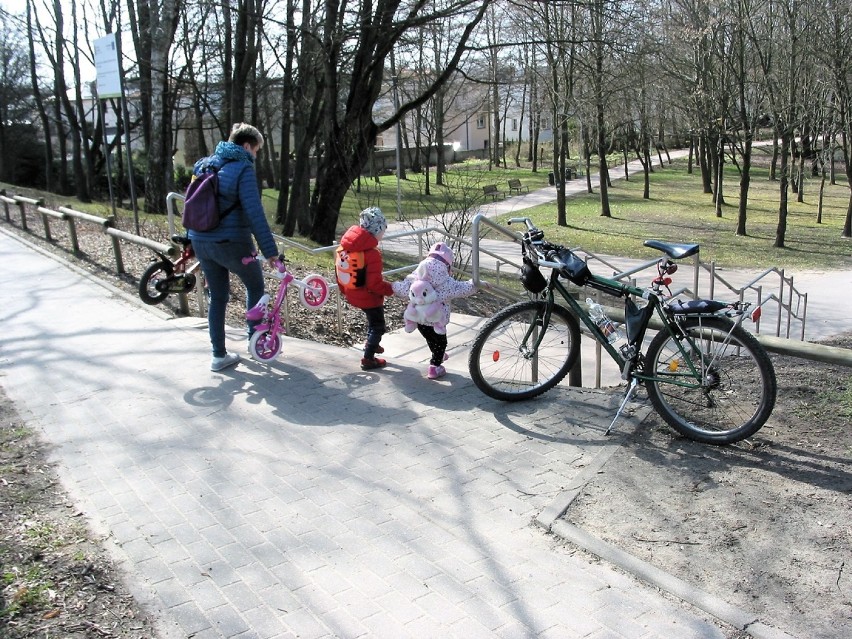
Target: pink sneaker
column 436, row 371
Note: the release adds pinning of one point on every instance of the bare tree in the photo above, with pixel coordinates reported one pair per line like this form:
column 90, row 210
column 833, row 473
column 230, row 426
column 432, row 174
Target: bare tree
column 153, row 27
column 781, row 61
column 349, row 132
column 835, row 51
column 606, row 41
column 50, row 27
column 15, row 93
column 747, row 102
column 555, row 26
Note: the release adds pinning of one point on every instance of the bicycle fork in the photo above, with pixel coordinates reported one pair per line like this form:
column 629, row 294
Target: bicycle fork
column 532, row 339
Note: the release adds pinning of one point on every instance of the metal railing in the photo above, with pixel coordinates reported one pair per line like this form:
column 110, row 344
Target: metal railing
column 781, row 301
column 72, row 218
column 788, row 304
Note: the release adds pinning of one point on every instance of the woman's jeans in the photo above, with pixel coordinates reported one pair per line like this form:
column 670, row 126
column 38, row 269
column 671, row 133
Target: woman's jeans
column 218, row 260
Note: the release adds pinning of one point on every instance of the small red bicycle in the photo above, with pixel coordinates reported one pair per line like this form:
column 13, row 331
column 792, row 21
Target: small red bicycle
column 265, row 342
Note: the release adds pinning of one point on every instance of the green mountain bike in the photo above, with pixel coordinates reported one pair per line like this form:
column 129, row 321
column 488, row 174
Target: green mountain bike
column 705, row 374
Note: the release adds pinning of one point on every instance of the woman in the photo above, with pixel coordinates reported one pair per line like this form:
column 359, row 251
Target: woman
column 220, row 251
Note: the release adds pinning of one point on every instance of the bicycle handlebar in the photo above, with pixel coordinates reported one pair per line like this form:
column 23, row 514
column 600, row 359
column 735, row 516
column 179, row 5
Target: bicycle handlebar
column 278, row 262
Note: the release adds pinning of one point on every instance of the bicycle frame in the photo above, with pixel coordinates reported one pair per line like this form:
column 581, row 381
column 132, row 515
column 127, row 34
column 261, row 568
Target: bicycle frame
column 163, row 276
column 265, row 342
column 690, row 378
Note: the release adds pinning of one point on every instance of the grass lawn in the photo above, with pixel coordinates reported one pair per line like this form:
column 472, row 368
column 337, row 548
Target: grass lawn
column 679, row 211
column 463, row 182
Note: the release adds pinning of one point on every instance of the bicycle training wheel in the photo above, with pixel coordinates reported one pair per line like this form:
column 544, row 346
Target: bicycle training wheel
column 732, row 391
column 315, row 292
column 264, row 345
column 504, row 361
column 157, row 272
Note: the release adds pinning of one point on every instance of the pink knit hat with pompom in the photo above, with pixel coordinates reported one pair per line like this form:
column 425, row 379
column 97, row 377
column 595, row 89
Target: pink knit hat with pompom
column 442, row 252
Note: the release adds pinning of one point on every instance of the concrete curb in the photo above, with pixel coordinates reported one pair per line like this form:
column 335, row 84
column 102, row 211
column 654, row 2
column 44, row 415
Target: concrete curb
column 644, row 571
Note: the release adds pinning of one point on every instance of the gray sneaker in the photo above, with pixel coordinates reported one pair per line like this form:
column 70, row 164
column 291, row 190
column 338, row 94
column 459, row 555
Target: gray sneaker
column 221, row 363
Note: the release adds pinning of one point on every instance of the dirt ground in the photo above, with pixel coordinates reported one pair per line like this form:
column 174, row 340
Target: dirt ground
column 765, row 525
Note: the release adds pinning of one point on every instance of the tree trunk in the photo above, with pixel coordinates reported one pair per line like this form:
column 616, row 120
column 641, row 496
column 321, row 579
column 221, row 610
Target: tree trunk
column 159, row 174
column 341, row 162
column 41, row 107
column 704, row 164
column 773, row 166
column 784, row 170
column 561, row 205
column 602, row 165
column 847, row 224
column 745, row 183
column 720, row 178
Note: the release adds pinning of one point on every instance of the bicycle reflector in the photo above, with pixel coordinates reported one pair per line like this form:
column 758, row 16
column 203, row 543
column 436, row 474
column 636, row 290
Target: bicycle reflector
column 755, row 314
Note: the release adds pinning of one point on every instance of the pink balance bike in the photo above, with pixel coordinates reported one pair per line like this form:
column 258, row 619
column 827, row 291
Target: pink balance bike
column 265, row 342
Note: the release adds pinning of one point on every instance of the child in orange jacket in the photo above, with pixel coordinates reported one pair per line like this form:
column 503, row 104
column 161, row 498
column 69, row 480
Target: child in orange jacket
column 359, row 268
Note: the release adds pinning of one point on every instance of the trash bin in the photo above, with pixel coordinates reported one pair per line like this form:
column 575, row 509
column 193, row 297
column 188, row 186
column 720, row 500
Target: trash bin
column 551, row 179
column 569, row 173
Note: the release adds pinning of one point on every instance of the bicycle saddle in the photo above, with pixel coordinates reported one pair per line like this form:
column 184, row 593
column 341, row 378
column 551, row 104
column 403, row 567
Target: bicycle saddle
column 674, row 251
column 183, row 240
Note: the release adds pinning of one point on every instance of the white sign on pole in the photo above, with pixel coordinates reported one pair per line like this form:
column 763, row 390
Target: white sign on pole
column 108, row 67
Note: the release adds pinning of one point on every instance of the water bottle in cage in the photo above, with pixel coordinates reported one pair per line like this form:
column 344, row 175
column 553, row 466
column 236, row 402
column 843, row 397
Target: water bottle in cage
column 599, row 317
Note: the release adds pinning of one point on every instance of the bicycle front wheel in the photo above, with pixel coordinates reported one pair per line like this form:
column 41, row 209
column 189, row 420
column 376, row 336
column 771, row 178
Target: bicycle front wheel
column 264, row 345
column 512, row 360
column 714, row 385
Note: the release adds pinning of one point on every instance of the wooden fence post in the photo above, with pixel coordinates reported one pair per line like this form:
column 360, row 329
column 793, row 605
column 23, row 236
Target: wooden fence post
column 109, row 223
column 23, row 210
column 5, row 201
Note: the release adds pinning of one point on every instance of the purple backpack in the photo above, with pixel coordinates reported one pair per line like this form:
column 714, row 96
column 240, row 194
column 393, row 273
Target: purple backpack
column 201, row 206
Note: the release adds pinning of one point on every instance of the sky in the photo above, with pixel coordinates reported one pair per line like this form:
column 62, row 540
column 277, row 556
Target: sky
column 18, row 7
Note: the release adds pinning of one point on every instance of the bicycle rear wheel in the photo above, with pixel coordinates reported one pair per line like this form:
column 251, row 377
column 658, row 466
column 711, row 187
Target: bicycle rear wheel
column 504, row 362
column 732, row 391
column 156, row 273
column 315, row 293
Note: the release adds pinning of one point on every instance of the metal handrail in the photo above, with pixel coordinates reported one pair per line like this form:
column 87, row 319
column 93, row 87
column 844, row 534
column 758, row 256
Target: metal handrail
column 753, row 288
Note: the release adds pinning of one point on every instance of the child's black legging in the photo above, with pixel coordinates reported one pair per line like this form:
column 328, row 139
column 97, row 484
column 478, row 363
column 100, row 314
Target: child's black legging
column 436, row 343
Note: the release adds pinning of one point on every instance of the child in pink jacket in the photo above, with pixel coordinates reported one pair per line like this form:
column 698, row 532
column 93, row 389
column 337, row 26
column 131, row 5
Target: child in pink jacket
column 432, row 284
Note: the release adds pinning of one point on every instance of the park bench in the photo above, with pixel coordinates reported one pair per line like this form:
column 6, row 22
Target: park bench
column 491, row 189
column 515, row 185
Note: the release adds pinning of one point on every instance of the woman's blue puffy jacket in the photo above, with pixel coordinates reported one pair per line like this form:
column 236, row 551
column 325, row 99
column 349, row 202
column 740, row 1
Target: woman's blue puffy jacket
column 238, row 181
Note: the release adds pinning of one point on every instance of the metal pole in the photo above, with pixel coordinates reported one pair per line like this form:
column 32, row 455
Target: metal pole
column 107, row 154
column 398, row 151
